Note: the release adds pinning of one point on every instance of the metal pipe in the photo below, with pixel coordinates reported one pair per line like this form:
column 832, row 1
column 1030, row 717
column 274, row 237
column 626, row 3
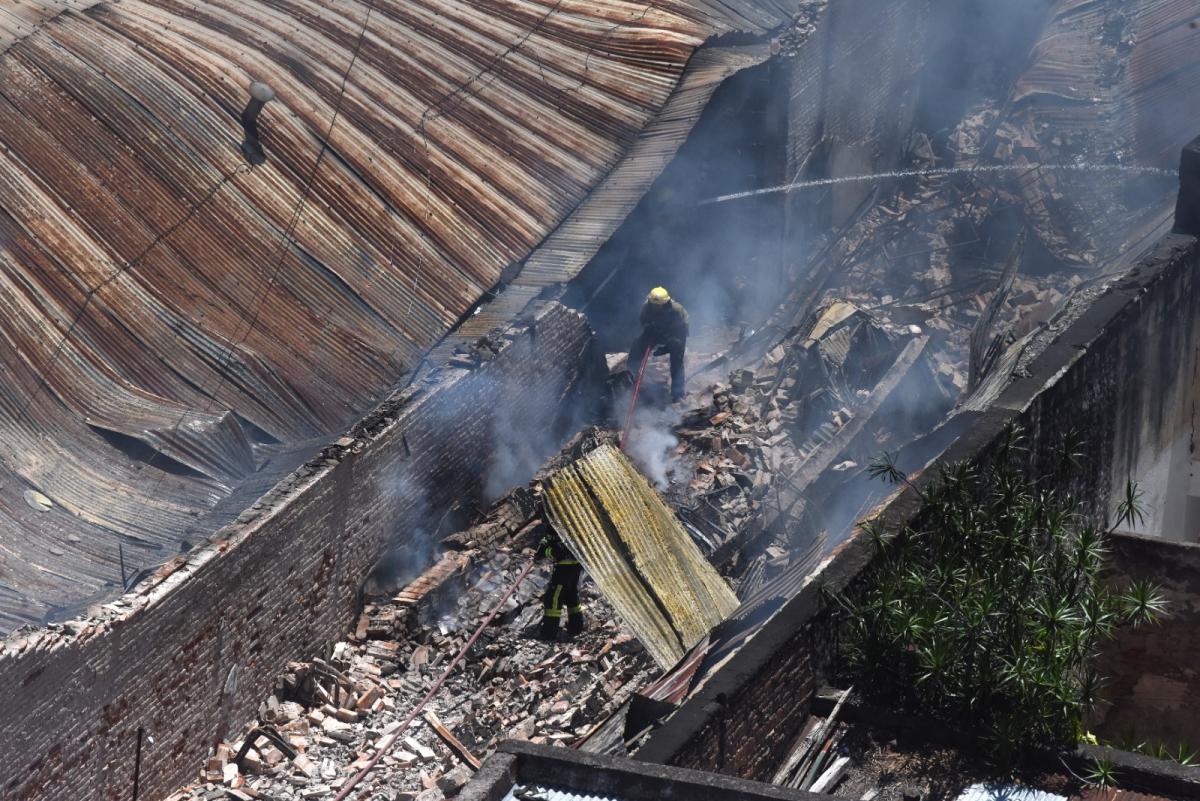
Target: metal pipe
column 260, row 95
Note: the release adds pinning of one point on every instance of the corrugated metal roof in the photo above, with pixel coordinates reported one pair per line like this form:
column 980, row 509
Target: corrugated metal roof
column 541, row 792
column 638, row 554
column 1006, row 792
column 1108, row 82
column 743, row 623
column 161, row 296
column 1120, row 70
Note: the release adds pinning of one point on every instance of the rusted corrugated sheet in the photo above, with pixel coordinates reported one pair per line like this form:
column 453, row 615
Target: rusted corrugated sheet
column 19, row 18
column 572, row 245
column 1124, row 73
column 638, row 554
column 1107, row 83
column 163, row 301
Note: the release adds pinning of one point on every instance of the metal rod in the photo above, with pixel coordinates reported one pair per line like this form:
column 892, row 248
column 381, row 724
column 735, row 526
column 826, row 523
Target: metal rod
column 121, row 555
column 633, row 401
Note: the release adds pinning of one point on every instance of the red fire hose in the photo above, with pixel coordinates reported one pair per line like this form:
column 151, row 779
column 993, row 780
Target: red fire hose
column 394, row 736
column 637, row 387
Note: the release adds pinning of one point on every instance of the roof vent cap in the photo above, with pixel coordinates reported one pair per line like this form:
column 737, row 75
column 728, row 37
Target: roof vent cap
column 261, row 92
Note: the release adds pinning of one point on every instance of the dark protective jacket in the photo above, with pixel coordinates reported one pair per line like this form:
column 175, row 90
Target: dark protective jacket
column 552, row 547
column 666, row 324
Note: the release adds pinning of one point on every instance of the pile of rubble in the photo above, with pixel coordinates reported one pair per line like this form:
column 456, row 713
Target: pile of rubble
column 327, row 717
column 768, row 433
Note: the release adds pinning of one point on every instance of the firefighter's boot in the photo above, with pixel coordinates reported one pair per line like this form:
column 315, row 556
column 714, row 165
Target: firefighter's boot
column 549, row 630
column 574, row 623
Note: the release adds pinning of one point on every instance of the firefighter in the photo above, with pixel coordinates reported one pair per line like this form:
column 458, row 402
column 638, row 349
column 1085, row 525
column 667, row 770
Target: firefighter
column 664, row 328
column 563, row 589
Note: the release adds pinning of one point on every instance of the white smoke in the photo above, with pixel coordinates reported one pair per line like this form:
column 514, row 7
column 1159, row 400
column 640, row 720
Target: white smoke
column 651, row 444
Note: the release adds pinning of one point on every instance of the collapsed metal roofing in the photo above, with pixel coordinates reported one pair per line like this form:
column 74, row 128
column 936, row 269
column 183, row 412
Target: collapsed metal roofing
column 173, row 319
column 1122, row 72
column 637, row 552
column 1106, row 83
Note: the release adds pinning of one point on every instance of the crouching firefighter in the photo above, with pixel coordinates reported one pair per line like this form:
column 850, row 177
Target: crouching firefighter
column 665, row 328
column 563, row 590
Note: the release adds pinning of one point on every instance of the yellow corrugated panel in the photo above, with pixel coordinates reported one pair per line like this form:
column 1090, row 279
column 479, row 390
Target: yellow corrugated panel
column 638, row 554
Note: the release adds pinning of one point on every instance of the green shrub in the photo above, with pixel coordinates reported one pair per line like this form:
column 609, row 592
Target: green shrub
column 988, row 613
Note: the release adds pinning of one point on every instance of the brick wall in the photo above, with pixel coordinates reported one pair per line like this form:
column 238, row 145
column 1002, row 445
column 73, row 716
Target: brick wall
column 752, row 727
column 1153, row 688
column 189, row 655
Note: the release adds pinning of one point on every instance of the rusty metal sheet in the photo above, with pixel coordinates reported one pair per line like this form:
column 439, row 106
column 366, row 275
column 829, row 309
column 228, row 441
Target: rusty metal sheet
column 1107, row 83
column 569, row 248
column 1124, row 71
column 638, row 554
column 19, row 19
column 172, row 317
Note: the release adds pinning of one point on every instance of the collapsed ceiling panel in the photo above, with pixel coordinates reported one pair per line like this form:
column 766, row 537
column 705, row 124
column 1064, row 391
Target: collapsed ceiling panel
column 173, row 317
column 637, row 552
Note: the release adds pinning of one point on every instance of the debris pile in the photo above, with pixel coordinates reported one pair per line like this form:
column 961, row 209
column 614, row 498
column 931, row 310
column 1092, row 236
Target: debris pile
column 327, row 717
column 931, row 249
column 770, row 433
column 815, row 761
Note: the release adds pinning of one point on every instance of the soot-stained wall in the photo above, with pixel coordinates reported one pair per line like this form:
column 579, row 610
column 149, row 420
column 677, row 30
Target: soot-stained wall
column 1128, row 386
column 189, row 655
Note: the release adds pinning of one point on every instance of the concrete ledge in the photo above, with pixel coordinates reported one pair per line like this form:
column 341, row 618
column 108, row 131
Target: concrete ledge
column 627, row 779
column 495, row 777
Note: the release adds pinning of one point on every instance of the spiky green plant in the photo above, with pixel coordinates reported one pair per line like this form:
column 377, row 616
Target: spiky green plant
column 1102, row 775
column 989, row 612
column 1182, row 753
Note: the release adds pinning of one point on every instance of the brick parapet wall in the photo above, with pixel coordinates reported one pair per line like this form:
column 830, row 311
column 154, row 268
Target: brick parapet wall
column 750, row 728
column 189, row 654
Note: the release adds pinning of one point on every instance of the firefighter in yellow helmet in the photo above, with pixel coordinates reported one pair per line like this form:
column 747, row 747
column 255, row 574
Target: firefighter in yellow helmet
column 664, row 328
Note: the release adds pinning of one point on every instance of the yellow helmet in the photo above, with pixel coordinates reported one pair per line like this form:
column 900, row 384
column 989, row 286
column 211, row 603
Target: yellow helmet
column 658, row 296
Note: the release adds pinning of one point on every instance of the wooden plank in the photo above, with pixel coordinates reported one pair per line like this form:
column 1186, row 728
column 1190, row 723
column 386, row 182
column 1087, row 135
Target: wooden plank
column 449, row 739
